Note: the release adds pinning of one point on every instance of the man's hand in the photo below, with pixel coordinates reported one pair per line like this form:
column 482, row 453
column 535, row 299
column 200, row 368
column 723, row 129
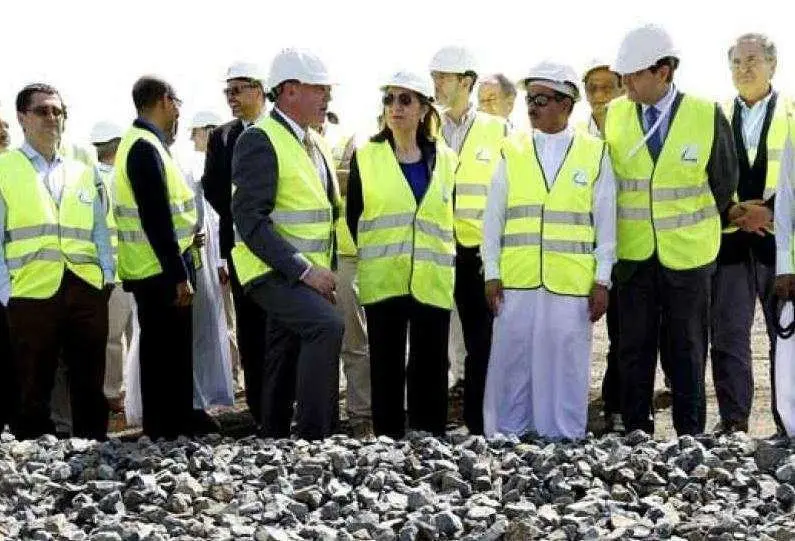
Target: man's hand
column 755, row 218
column 223, row 276
column 184, row 294
column 199, row 239
column 597, row 302
column 735, row 212
column 323, row 281
column 785, row 286
column 494, row 296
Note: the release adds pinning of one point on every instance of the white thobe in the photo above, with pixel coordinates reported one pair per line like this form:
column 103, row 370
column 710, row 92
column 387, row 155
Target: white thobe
column 539, row 374
column 785, row 349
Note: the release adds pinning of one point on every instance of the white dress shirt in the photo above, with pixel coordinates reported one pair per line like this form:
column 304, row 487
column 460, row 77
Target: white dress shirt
column 551, row 150
column 783, row 214
column 664, row 109
column 456, row 132
column 752, row 119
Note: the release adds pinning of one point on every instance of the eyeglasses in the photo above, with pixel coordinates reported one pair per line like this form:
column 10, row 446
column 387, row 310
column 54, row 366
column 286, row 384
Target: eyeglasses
column 237, row 90
column 46, row 110
column 175, row 99
column 404, row 99
column 541, row 100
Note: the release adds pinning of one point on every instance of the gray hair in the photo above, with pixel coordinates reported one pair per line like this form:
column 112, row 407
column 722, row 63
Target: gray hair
column 506, row 86
column 767, row 44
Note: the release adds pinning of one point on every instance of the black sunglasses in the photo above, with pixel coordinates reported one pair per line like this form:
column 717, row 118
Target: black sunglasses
column 542, row 100
column 44, row 110
column 404, row 99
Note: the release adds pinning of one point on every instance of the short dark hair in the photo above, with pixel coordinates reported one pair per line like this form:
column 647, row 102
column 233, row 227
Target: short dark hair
column 671, row 61
column 148, row 90
column 25, row 96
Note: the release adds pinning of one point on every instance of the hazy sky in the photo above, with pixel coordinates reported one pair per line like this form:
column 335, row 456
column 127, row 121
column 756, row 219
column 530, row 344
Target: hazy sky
column 94, row 50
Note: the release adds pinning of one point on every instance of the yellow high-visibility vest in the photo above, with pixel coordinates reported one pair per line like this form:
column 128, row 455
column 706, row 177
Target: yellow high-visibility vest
column 665, row 208
column 137, row 259
column 405, row 248
column 42, row 238
column 477, row 162
column 549, row 238
column 302, row 213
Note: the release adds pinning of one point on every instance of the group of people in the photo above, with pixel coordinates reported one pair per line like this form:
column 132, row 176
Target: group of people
column 449, row 230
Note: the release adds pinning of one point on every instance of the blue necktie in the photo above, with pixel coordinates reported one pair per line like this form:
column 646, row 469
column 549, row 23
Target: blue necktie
column 655, row 141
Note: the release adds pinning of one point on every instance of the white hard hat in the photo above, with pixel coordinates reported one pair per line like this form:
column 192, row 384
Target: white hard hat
column 559, row 77
column 103, row 132
column 202, row 119
column 244, row 70
column 453, row 59
column 410, row 80
column 642, row 48
column 300, row 65
column 593, row 65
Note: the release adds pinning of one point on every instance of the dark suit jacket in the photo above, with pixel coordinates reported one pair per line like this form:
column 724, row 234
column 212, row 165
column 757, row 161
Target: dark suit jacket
column 217, row 179
column 255, row 170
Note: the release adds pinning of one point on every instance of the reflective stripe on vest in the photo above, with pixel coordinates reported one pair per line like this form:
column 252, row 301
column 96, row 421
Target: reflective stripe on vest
column 665, row 207
column 42, row 238
column 405, row 249
column 302, row 214
column 548, row 237
column 137, row 259
column 477, row 162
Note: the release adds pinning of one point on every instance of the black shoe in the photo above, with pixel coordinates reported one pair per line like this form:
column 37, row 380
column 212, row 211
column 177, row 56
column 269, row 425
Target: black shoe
column 203, row 423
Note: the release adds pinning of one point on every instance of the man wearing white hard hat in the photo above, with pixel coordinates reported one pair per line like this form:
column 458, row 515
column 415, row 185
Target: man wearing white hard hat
column 105, row 137
column 245, row 95
column 673, row 155
column 285, row 205
column 549, row 248
column 476, row 137
column 759, row 116
column 400, row 212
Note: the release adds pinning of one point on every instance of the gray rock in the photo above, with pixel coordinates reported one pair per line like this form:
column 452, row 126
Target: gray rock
column 448, row 523
column 548, row 515
column 420, row 497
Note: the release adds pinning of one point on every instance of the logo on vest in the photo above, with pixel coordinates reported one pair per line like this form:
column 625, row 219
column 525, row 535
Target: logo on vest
column 483, row 155
column 689, row 153
column 85, row 196
column 580, row 178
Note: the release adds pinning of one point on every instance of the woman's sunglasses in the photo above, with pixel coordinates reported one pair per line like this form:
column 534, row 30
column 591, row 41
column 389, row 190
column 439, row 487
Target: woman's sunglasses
column 404, row 99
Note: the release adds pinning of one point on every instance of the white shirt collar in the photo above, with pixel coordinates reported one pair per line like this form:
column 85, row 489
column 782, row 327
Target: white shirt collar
column 761, row 104
column 35, row 156
column 665, row 101
column 565, row 133
column 104, row 168
column 468, row 115
column 297, row 130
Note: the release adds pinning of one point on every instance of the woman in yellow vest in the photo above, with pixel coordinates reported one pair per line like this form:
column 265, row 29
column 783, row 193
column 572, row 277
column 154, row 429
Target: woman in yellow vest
column 400, row 213
column 548, row 251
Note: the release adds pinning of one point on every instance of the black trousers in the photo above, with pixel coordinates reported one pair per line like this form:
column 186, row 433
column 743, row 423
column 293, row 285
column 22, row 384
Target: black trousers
column 735, row 289
column 166, row 360
column 611, row 383
column 7, row 387
column 302, row 364
column 476, row 323
column 251, row 325
column 72, row 325
column 651, row 297
column 425, row 376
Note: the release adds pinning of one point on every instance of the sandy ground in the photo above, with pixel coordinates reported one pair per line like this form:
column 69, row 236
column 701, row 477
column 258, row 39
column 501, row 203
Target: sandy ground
column 761, row 422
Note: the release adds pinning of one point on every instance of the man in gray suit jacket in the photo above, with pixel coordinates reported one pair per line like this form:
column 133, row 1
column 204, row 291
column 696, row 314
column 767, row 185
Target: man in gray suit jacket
column 298, row 288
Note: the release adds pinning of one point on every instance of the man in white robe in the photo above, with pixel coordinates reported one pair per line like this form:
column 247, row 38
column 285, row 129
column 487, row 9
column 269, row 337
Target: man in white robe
column 549, row 247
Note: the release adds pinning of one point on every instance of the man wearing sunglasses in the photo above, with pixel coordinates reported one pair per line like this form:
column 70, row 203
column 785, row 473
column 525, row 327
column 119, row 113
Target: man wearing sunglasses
column 549, row 248
column 676, row 166
column 285, row 204
column 476, row 137
column 56, row 271
column 245, row 96
column 155, row 214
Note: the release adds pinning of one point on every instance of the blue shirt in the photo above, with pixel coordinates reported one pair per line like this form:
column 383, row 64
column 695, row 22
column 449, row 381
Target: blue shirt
column 662, row 106
column 417, row 176
column 48, row 174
